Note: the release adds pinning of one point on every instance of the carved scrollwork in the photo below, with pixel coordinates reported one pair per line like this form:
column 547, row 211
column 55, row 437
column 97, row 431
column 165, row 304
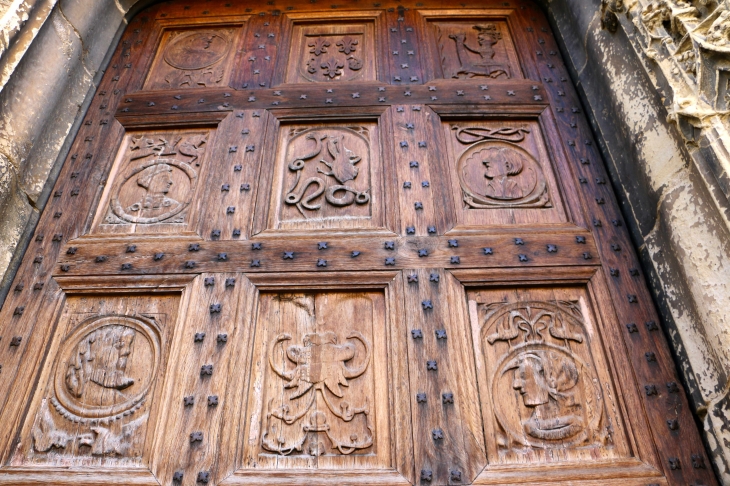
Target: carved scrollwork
column 323, row 365
column 495, row 172
column 543, row 361
column 103, row 376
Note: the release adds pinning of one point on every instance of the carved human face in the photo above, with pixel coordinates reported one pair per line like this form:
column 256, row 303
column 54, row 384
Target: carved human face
column 530, row 381
column 161, row 183
column 496, row 168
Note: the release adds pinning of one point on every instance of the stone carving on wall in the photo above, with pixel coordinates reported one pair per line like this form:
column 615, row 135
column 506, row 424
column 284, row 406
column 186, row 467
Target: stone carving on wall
column 158, row 180
column 474, row 51
column 691, row 43
column 332, row 57
column 195, row 57
column 495, row 172
column 328, row 167
column 317, row 411
column 544, row 391
column 102, row 379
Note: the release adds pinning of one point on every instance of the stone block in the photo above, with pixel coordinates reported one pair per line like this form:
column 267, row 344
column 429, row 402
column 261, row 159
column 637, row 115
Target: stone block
column 96, row 22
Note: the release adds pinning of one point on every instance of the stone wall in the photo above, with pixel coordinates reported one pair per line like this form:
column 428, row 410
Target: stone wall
column 655, row 79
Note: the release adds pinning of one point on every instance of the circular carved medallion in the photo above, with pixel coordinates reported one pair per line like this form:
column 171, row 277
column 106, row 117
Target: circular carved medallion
column 556, row 400
column 196, row 50
column 107, row 367
column 501, row 174
column 154, row 191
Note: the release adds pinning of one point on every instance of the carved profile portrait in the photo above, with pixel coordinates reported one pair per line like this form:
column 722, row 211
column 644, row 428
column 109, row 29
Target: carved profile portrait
column 545, row 393
column 499, row 174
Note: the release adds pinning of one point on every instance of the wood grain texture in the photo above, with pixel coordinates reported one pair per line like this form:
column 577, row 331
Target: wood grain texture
column 365, row 172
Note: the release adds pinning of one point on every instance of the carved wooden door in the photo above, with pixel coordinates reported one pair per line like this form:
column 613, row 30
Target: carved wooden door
column 361, row 243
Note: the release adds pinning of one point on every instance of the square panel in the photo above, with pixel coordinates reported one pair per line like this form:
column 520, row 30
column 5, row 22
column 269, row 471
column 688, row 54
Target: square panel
column 194, row 57
column 154, row 182
column 326, row 176
column 321, row 378
column 97, row 403
column 476, row 47
column 502, row 173
column 546, row 385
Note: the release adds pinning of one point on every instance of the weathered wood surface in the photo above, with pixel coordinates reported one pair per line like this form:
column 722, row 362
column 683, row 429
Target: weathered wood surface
column 337, row 244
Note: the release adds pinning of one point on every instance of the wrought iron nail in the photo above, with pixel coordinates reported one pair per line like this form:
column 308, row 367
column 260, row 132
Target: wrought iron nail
column 673, row 424
column 216, row 233
column 434, row 277
column 652, row 326
column 177, row 476
column 203, row 477
column 100, row 259
column 672, row 387
column 256, row 246
column 215, row 308
column 213, row 400
column 230, row 209
column 431, row 230
column 597, row 223
column 523, row 258
column 437, row 434
column 420, row 397
column 389, row 245
column 71, row 250
column 190, row 264
column 355, row 254
column 390, row 261
column 255, row 263
column 587, row 256
column 236, row 233
column 580, row 239
column 15, row 341
column 208, row 281
column 321, row 262
column 412, row 278
column 632, row 298
column 193, row 247
column 57, row 237
column 634, row 272
column 126, row 266
column 131, row 248
column 196, row 437
column 455, row 476
column 425, row 184
column 230, row 282
column 519, row 241
column 322, row 245
column 404, row 144
column 416, row 333
column 206, row 370
column 615, row 247
column 632, row 328
column 407, row 185
column 650, row 356
column 237, row 168
column 422, row 144
column 440, row 333
column 19, row 287
column 650, row 390
column 19, row 310
column 674, row 463
column 431, row 365
column 413, row 164
column 222, row 338
column 427, row 304
column 410, row 230
column 614, row 272
column 455, row 260
column 453, row 243
column 698, row 462
column 65, row 268
column 222, row 257
column 447, row 397
column 426, row 475
column 199, row 337
column 488, row 251
column 188, row 401
column 552, row 248
column 422, row 253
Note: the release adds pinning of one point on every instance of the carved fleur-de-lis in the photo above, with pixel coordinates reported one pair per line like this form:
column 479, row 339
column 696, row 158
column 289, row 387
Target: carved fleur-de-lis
column 319, row 46
column 347, row 44
column 332, row 67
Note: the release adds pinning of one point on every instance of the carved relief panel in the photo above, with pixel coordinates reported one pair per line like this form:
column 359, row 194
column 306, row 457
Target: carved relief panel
column 332, row 51
column 502, row 174
column 545, row 382
column 153, row 182
column 327, row 176
column 97, row 406
column 321, row 362
column 479, row 48
column 194, row 58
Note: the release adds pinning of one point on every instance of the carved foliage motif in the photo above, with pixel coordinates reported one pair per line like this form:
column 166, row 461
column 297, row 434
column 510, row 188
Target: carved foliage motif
column 544, row 389
column 495, row 172
column 157, row 182
column 321, row 382
column 475, row 50
column 103, row 377
column 196, row 58
column 328, row 174
column 325, row 62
